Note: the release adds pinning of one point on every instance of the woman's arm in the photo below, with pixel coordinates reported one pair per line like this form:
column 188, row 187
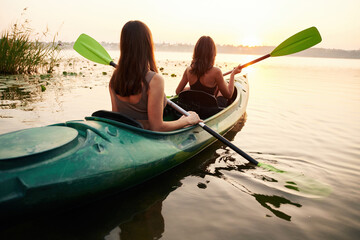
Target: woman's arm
column 155, row 109
column 227, row 89
column 183, row 82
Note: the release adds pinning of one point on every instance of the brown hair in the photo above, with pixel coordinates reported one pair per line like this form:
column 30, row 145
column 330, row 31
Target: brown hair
column 136, row 59
column 204, row 56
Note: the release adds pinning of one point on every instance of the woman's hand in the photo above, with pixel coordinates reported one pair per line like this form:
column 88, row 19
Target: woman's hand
column 237, row 70
column 192, row 119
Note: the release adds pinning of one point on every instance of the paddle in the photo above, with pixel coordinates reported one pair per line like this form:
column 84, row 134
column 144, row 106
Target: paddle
column 89, row 48
column 296, row 43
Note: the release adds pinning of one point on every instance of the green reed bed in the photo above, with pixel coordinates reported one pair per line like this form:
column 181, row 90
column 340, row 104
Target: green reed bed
column 20, row 53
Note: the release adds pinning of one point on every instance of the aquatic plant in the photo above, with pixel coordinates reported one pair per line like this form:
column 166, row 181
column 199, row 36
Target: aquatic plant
column 21, row 53
column 69, row 73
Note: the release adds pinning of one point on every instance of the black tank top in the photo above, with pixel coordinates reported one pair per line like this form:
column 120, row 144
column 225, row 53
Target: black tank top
column 199, row 87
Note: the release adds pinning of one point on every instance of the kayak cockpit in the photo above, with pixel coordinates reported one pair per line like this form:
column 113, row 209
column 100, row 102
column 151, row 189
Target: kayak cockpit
column 116, row 116
column 204, row 104
column 208, row 107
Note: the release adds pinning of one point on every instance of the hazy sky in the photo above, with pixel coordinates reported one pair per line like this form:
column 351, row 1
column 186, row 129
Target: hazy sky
column 235, row 22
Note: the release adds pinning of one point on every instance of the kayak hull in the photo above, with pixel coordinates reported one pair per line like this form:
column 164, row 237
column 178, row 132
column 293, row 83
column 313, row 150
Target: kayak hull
column 101, row 157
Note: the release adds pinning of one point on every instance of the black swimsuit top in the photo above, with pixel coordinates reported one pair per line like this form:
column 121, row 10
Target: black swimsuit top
column 200, row 87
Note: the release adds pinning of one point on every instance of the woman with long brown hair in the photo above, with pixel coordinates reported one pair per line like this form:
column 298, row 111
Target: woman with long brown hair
column 136, row 89
column 202, row 75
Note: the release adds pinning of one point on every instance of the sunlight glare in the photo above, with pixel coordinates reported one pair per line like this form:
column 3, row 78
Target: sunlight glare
column 251, row 41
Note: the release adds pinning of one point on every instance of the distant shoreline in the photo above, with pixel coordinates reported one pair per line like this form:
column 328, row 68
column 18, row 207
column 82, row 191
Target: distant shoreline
column 262, row 50
column 230, row 49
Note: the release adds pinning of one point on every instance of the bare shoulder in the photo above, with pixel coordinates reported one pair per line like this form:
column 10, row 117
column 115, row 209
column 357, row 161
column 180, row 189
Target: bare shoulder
column 157, row 77
column 157, row 81
column 187, row 70
column 216, row 72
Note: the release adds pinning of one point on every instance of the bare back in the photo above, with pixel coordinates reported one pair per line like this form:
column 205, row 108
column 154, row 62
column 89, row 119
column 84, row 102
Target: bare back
column 208, row 79
column 212, row 78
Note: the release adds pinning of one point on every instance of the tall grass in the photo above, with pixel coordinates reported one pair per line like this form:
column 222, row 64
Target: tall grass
column 20, row 53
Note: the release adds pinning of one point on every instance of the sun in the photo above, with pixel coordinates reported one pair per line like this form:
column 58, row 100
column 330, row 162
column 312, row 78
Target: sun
column 251, row 41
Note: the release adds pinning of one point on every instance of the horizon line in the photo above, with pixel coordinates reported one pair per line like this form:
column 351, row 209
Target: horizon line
column 220, row 45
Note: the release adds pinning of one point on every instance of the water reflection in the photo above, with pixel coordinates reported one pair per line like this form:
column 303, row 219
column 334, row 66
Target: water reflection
column 275, row 201
column 144, row 225
column 17, row 91
column 23, row 92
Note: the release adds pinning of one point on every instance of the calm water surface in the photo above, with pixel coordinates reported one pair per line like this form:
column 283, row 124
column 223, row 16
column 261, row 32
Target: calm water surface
column 303, row 117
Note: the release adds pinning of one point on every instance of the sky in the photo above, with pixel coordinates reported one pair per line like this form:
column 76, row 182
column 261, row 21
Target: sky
column 234, row 22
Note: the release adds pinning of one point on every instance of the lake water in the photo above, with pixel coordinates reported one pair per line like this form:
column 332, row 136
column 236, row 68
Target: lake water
column 303, row 117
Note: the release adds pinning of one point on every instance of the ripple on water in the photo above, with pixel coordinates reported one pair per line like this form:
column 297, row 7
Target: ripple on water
column 300, row 177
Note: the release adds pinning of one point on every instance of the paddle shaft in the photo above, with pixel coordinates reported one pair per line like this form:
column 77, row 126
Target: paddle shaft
column 113, row 64
column 250, row 63
column 215, row 134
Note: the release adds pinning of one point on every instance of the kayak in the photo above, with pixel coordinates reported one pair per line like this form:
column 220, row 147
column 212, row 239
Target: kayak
column 78, row 160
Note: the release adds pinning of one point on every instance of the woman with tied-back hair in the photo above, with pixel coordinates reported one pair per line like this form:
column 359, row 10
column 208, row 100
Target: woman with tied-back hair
column 136, row 89
column 202, row 75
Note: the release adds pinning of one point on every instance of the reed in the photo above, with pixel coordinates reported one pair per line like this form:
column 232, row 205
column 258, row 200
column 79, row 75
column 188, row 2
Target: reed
column 20, row 53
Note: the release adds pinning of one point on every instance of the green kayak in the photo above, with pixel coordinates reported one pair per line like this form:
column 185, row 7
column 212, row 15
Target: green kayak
column 79, row 160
